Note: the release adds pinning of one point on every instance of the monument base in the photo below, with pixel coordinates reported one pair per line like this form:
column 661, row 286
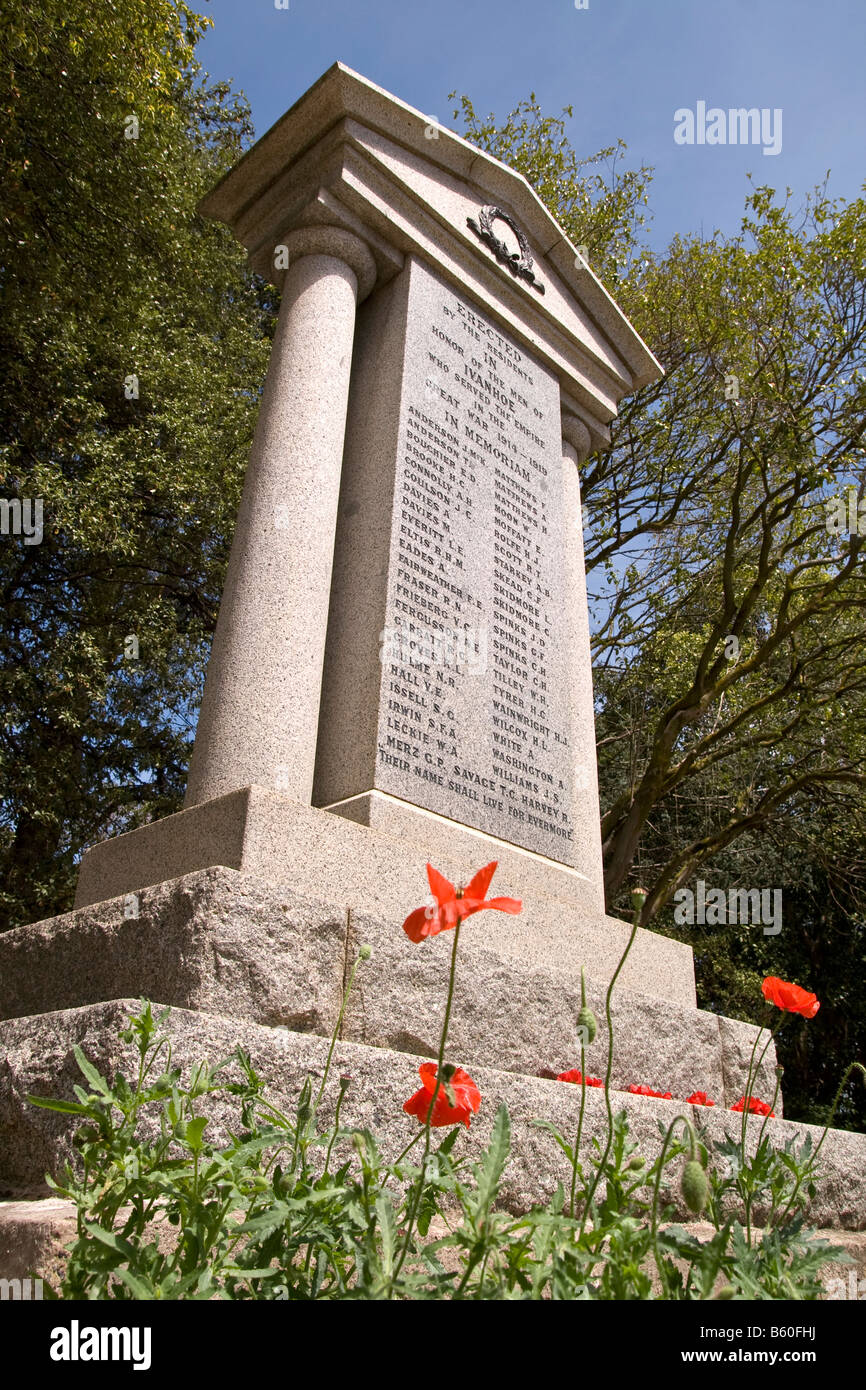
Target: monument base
column 441, row 836
column 228, row 943
column 39, row 1060
column 332, row 859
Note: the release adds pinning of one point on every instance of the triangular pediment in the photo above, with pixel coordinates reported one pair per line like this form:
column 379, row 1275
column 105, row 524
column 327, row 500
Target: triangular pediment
column 350, row 154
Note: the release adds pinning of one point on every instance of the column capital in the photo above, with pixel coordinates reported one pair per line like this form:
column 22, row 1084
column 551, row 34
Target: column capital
column 575, row 433
column 323, row 240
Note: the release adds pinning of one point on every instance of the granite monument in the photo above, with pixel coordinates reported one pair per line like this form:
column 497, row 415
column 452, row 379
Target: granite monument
column 400, row 673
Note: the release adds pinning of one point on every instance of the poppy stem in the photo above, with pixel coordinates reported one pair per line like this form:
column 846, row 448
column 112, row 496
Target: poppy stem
column 751, row 1077
column 853, row 1066
column 579, row 1126
column 776, row 1090
column 660, row 1163
column 607, row 1075
column 449, row 1002
column 419, row 1186
column 346, row 992
column 403, row 1152
column 333, row 1138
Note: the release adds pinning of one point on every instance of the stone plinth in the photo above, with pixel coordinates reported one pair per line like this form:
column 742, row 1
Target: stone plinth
column 330, row 858
column 232, row 944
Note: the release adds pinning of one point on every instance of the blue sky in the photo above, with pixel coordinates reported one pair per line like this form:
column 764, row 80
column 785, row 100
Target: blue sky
column 625, row 66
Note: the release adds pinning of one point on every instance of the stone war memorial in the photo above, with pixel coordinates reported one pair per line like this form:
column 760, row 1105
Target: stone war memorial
column 400, row 674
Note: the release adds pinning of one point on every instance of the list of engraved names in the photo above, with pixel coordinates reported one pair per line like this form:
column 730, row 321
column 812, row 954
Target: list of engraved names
column 474, row 710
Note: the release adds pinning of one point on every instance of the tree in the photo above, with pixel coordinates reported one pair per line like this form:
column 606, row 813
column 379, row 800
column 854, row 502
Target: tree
column 730, row 624
column 729, row 637
column 743, row 613
column 134, row 342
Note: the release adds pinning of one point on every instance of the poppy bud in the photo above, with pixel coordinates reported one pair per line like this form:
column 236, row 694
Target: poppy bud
column 365, row 952
column 635, row 1162
column 694, row 1186
column 727, row 1291
column 445, row 1077
column 587, row 1026
column 587, row 1023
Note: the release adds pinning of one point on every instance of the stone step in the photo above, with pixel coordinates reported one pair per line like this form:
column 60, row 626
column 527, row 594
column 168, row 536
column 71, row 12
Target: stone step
column 38, row 1059
column 228, row 943
column 329, row 858
column 33, row 1239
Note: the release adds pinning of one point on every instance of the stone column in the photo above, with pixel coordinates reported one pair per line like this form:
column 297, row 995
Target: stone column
column 260, row 710
column 575, row 447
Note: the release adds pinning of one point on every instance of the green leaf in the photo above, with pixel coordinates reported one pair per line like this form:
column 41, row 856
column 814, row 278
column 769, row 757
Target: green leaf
column 449, row 1141
column 194, row 1131
column 388, row 1230
column 96, row 1080
column 267, row 1221
column 111, row 1240
column 561, row 1142
column 136, row 1286
column 65, row 1107
column 494, row 1160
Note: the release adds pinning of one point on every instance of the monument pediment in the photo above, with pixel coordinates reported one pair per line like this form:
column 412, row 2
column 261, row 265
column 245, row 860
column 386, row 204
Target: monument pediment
column 350, row 155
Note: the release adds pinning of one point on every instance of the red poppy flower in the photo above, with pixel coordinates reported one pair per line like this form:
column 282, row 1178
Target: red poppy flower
column 574, row 1075
column 647, row 1091
column 756, row 1107
column 790, row 997
column 466, row 1094
column 699, row 1098
column 453, row 904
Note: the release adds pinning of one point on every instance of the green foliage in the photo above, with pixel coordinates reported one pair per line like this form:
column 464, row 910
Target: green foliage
column 816, row 861
column 732, row 646
column 294, row 1208
column 106, row 270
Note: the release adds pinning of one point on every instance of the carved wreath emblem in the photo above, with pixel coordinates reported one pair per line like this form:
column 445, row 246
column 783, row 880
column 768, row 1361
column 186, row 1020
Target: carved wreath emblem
column 518, row 262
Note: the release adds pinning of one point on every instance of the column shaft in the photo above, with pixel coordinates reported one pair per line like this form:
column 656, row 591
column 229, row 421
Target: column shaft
column 260, row 710
column 582, row 734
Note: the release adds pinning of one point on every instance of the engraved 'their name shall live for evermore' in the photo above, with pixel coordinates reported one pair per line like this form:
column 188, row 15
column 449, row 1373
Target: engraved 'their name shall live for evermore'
column 477, row 573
